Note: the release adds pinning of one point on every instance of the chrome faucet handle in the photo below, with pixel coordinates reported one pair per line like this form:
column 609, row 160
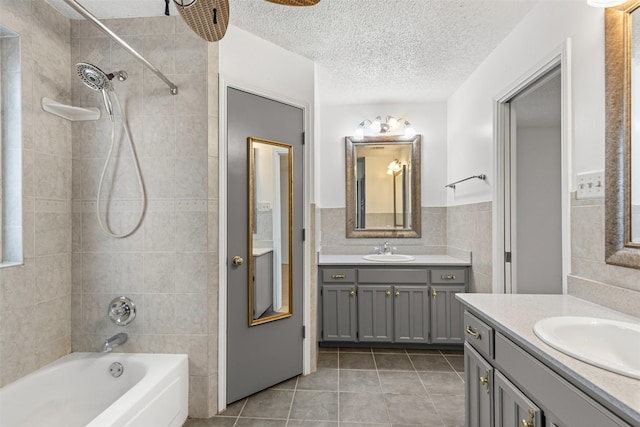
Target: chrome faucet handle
column 376, row 249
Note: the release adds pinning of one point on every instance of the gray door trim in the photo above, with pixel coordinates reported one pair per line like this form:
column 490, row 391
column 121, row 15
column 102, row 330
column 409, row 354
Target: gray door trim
column 223, row 84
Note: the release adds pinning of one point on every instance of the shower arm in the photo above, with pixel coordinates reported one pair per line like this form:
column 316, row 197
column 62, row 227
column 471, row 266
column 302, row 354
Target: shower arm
column 88, row 16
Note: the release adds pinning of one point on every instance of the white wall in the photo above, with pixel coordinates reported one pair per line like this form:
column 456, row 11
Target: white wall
column 429, row 120
column 256, row 64
column 470, row 108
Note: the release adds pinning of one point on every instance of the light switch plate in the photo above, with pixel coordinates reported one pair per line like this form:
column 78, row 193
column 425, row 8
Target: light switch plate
column 264, row 206
column 590, row 185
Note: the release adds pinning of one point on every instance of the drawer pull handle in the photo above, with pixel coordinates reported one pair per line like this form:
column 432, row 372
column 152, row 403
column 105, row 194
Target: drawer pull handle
column 485, row 380
column 473, row 333
column 352, row 292
column 448, row 277
column 338, row 276
column 530, row 422
column 388, row 292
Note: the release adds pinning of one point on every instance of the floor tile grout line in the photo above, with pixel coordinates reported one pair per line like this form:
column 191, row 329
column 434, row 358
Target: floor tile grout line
column 293, row 397
column 239, row 413
column 386, row 407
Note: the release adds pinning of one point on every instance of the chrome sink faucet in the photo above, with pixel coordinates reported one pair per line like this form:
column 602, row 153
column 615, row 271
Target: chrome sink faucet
column 114, row 341
column 386, row 249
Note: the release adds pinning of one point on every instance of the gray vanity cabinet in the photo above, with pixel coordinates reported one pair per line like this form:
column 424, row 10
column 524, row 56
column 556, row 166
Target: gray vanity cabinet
column 375, row 313
column 506, row 387
column 478, row 379
column 511, row 406
column 411, row 314
column 391, row 304
column 446, row 314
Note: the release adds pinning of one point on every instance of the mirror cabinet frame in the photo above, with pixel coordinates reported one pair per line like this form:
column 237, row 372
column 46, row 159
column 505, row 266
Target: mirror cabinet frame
column 350, row 167
column 619, row 250
column 251, row 171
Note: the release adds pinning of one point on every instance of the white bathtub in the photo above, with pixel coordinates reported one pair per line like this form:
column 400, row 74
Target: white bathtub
column 78, row 390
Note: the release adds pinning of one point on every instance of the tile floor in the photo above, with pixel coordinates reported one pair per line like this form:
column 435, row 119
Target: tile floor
column 359, row 388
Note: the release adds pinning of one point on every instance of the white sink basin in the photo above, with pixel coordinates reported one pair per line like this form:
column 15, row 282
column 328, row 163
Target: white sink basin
column 608, row 344
column 389, row 258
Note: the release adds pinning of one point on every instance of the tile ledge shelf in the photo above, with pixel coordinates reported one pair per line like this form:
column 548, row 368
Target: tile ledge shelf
column 69, row 112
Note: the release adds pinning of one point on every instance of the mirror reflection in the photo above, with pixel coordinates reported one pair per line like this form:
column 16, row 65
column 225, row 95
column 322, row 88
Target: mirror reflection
column 270, row 219
column 383, row 186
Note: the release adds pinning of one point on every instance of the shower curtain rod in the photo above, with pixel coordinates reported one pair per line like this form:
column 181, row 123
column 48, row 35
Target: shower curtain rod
column 87, row 15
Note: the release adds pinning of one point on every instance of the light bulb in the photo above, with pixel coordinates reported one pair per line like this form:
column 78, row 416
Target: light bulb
column 359, row 132
column 375, row 125
column 409, row 131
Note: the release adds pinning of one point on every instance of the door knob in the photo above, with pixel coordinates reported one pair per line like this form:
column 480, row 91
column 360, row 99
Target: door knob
column 237, row 260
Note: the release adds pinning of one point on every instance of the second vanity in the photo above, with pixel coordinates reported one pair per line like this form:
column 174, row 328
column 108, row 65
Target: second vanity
column 513, row 378
column 410, row 302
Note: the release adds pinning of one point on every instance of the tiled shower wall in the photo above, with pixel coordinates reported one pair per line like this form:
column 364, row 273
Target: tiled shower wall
column 168, row 266
column 34, row 297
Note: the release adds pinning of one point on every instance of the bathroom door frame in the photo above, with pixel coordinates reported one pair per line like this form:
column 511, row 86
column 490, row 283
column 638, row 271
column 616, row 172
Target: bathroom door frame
column 223, row 84
column 502, row 227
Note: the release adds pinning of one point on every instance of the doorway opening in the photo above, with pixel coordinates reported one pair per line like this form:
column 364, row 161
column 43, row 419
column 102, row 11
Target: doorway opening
column 531, row 211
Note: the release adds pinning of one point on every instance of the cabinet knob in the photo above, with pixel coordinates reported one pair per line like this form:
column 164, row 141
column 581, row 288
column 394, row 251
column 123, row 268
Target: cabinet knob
column 338, row 276
column 388, row 292
column 529, row 423
column 237, row 260
column 485, row 380
column 352, row 292
column 473, row 333
column 397, row 294
column 434, row 293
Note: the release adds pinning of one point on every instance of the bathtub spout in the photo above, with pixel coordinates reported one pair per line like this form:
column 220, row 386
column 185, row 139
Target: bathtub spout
column 114, row 341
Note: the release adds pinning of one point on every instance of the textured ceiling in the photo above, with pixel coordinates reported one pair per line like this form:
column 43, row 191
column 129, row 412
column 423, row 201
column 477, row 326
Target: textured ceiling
column 368, row 51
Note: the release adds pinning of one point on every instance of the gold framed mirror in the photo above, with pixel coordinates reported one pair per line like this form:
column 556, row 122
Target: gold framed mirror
column 622, row 167
column 383, row 186
column 270, row 223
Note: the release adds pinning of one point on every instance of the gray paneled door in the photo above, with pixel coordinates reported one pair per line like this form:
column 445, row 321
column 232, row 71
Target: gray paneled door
column 266, row 354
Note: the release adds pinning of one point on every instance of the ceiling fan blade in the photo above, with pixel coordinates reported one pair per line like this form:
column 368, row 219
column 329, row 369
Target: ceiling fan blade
column 207, row 18
column 295, row 2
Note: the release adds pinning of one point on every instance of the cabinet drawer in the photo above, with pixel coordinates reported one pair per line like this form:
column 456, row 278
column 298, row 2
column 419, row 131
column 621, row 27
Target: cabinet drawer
column 393, row 276
column 478, row 334
column 549, row 390
column 338, row 275
column 451, row 275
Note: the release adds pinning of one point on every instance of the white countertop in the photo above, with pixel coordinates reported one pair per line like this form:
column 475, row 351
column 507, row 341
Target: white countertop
column 261, row 251
column 516, row 315
column 419, row 260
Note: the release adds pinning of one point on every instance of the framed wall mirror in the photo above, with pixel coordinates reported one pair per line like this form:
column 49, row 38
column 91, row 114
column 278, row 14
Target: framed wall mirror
column 383, row 186
column 270, row 221
column 622, row 196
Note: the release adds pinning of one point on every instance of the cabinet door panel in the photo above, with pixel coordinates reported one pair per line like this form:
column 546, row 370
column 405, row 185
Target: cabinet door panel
column 512, row 407
column 446, row 315
column 338, row 313
column 478, row 390
column 375, row 313
column 411, row 314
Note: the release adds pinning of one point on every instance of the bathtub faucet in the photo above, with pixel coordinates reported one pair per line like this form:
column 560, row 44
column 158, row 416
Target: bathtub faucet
column 114, row 341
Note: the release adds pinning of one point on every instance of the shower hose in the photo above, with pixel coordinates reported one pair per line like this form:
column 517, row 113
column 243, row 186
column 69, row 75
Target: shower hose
column 125, row 123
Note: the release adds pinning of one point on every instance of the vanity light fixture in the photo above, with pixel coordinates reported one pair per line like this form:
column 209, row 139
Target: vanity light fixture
column 390, row 126
column 394, row 167
column 605, row 3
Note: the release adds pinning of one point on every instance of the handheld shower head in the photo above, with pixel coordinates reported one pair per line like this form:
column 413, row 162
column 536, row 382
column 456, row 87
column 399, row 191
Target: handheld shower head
column 96, row 79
